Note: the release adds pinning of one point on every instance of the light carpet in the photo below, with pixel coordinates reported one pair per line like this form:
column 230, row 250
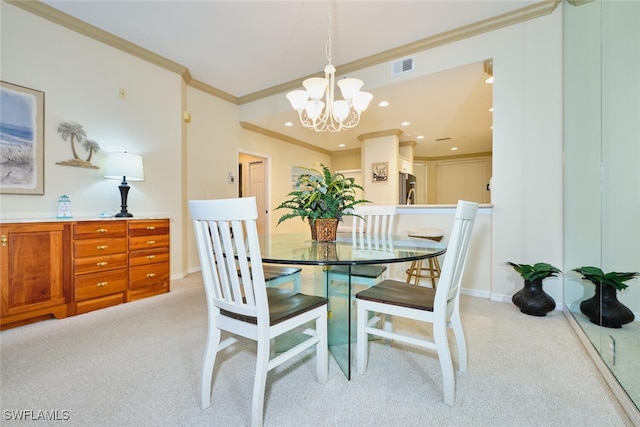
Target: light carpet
column 138, row 364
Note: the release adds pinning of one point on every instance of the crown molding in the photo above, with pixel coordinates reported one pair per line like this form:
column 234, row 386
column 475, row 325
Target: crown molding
column 460, row 156
column 578, row 2
column 253, row 128
column 45, row 11
column 378, row 134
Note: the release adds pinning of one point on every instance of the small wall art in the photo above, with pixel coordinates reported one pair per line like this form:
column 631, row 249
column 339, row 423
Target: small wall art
column 77, row 135
column 380, row 172
column 21, row 140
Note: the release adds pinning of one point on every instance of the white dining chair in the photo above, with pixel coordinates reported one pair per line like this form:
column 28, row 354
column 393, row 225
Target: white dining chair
column 440, row 307
column 371, row 229
column 227, row 240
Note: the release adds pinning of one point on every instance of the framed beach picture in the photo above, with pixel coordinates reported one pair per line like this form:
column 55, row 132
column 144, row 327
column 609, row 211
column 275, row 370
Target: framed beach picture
column 21, row 140
column 379, row 171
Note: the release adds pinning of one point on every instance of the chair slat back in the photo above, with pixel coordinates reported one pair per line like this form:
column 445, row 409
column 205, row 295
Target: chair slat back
column 449, row 284
column 227, row 239
column 373, row 226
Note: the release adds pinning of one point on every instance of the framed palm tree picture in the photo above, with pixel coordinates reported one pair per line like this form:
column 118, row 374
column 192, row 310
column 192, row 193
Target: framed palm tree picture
column 21, row 140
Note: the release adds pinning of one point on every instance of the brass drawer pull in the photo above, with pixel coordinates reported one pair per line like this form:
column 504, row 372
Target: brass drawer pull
column 102, row 263
column 101, row 230
column 101, row 284
column 4, row 240
column 151, row 242
column 151, row 256
column 151, row 227
column 101, row 247
column 151, row 274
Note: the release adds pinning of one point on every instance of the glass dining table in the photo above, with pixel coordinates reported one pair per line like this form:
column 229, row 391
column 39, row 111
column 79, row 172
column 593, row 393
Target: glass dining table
column 299, row 249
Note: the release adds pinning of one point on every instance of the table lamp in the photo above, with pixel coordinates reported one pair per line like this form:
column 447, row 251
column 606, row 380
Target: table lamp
column 126, row 166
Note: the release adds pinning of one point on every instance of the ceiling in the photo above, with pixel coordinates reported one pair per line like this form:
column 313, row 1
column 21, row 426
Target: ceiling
column 245, row 47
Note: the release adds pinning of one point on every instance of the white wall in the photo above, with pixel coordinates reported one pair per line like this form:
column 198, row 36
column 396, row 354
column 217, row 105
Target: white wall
column 81, row 79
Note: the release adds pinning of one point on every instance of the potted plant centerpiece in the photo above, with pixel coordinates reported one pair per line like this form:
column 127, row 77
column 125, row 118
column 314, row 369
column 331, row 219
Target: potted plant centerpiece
column 532, row 299
column 322, row 198
column 603, row 308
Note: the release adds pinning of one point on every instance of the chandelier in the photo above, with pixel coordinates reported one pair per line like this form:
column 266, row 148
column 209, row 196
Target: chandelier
column 331, row 115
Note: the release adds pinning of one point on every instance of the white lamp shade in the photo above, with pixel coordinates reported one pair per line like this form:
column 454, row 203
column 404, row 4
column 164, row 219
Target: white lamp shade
column 340, row 110
column 349, row 87
column 124, row 165
column 314, row 109
column 361, row 101
column 315, row 86
column 298, row 99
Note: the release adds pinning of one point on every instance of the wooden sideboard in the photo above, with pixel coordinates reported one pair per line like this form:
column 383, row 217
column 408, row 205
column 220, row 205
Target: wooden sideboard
column 64, row 268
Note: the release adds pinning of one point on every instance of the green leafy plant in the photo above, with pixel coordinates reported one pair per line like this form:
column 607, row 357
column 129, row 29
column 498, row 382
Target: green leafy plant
column 321, row 194
column 538, row 271
column 613, row 278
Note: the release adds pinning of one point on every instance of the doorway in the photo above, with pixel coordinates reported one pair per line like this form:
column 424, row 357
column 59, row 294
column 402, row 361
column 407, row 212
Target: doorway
column 253, row 182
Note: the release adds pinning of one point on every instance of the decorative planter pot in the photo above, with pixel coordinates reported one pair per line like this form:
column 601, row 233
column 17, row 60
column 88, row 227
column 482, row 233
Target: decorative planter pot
column 533, row 300
column 324, row 229
column 604, row 309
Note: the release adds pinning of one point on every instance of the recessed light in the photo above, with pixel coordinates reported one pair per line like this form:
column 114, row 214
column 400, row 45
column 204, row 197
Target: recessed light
column 288, row 124
column 491, row 109
column 489, row 80
column 453, row 148
column 383, row 104
column 420, row 137
column 341, row 145
column 405, row 123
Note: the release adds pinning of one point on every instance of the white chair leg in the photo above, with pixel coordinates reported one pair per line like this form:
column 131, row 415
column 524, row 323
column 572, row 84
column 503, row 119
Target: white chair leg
column 322, row 350
column 461, row 343
column 210, row 352
column 444, row 355
column 361, row 337
column 262, row 364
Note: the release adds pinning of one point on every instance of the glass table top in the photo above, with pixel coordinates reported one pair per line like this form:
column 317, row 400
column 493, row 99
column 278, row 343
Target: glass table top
column 301, row 250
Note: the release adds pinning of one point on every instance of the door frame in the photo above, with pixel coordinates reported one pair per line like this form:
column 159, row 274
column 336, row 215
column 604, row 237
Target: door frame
column 267, row 179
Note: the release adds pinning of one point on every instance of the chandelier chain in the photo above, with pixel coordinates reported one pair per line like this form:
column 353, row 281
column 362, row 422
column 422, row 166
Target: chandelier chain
column 330, row 21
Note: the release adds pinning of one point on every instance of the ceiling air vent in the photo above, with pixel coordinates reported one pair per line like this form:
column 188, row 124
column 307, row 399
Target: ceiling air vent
column 402, row 66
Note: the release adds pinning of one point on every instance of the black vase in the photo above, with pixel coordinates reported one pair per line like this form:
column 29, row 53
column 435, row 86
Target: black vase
column 611, row 313
column 533, row 300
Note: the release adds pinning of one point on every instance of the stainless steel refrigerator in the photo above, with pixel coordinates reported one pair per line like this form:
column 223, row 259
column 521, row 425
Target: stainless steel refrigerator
column 407, row 193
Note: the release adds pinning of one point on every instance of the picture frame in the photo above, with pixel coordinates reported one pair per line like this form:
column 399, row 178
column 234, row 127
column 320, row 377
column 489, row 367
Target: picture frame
column 21, row 140
column 380, row 172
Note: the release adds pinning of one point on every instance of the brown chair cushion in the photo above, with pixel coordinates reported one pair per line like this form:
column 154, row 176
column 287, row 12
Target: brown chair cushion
column 401, row 294
column 273, row 272
column 283, row 304
column 368, row 271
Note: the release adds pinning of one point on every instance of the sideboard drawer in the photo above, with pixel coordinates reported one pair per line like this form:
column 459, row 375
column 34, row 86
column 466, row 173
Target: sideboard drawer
column 100, row 263
column 100, row 284
column 99, row 229
column 147, row 275
column 97, row 247
column 148, row 242
column 148, row 256
column 148, row 227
